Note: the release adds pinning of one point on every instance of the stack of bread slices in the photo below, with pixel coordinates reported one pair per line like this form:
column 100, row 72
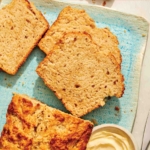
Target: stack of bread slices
column 83, row 62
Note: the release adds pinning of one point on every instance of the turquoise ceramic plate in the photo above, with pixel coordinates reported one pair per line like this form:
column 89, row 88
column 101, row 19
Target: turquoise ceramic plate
column 132, row 35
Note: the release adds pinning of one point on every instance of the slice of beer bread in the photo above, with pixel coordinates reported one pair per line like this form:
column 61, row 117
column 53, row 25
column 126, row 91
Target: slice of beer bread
column 21, row 28
column 74, row 20
column 69, row 20
column 81, row 73
column 32, row 125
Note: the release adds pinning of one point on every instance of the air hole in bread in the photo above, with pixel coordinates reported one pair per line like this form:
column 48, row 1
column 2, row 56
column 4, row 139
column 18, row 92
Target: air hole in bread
column 28, row 21
column 75, row 39
column 75, row 105
column 64, row 89
column 115, row 82
column 35, row 129
column 93, row 85
column 92, row 76
column 78, row 54
column 77, row 85
column 107, row 72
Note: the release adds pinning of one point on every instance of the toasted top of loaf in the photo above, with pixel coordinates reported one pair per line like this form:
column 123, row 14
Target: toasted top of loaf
column 21, row 27
column 73, row 20
column 33, row 125
column 81, row 74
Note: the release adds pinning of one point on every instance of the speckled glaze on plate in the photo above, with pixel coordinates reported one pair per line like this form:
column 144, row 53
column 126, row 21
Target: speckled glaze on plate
column 132, row 33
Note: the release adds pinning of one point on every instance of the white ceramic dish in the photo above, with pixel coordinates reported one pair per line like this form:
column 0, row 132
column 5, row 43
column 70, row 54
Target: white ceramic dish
column 116, row 129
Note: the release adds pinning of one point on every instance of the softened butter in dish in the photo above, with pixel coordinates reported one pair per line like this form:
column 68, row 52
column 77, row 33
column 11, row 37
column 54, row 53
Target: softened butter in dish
column 111, row 137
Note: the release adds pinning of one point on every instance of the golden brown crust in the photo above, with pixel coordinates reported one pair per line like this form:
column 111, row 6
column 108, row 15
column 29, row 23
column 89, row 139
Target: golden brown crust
column 21, row 28
column 81, row 73
column 31, row 124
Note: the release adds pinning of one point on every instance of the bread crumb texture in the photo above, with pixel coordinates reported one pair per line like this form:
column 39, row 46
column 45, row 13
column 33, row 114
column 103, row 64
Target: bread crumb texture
column 21, row 27
column 32, row 125
column 81, row 73
column 77, row 20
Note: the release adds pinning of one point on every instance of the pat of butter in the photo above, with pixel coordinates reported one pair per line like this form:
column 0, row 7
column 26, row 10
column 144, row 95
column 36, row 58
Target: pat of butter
column 108, row 140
